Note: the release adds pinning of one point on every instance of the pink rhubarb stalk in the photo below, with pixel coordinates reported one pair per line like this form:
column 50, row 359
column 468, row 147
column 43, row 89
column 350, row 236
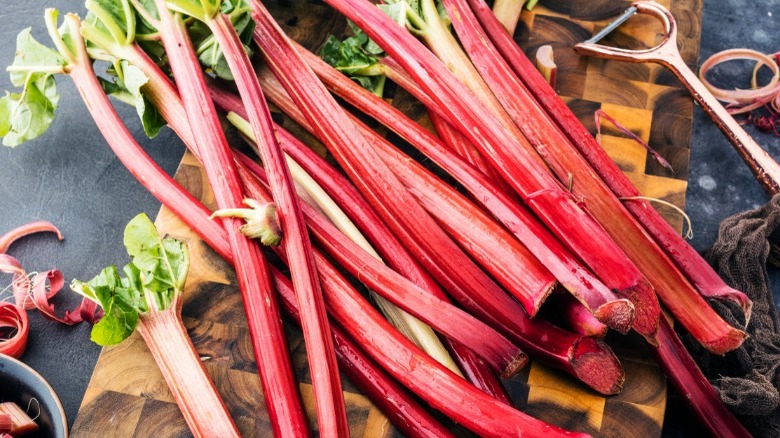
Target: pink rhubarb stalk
column 505, row 358
column 331, row 410
column 252, row 270
column 590, row 361
column 551, row 202
column 162, row 93
column 567, row 269
column 204, row 410
column 698, row 271
column 416, row 229
column 675, row 291
column 400, row 407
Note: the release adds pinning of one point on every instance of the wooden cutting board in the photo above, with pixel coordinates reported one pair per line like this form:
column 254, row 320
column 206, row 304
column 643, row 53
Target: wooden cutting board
column 128, row 396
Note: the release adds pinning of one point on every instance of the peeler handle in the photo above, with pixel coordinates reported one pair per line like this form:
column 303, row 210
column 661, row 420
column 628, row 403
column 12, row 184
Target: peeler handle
column 764, row 167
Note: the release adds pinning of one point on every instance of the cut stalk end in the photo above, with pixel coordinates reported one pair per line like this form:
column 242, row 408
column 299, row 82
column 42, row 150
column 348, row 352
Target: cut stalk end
column 597, row 366
column 647, row 310
column 515, row 365
column 617, row 315
column 729, row 341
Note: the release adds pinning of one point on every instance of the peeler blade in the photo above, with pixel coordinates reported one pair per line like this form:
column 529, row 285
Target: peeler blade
column 612, row 26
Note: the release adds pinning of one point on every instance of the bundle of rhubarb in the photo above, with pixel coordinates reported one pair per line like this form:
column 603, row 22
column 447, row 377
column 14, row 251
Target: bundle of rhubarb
column 523, row 205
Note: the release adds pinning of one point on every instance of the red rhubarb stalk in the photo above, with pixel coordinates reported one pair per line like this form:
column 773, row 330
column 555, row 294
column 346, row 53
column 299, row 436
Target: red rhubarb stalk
column 542, row 244
column 399, row 406
column 590, row 361
column 575, row 316
column 331, row 411
column 163, row 95
column 494, row 248
column 698, row 271
column 675, row 291
column 416, row 229
column 688, row 380
column 461, row 146
column 505, row 358
column 443, row 390
column 262, row 313
column 555, row 206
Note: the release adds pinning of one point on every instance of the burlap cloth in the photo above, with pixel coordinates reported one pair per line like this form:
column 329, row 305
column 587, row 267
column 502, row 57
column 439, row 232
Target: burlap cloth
column 748, row 379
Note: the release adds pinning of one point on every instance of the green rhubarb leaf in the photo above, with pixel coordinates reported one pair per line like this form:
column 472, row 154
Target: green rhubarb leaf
column 347, row 56
column 127, row 85
column 134, row 81
column 209, row 53
column 162, row 263
column 151, row 282
column 28, row 114
column 31, row 57
column 396, row 11
column 120, row 306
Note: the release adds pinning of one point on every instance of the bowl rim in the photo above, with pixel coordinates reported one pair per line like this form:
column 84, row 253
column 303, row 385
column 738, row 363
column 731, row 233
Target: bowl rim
column 46, row 384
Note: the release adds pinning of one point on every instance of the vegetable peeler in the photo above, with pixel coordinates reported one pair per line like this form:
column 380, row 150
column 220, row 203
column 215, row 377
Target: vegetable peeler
column 764, row 167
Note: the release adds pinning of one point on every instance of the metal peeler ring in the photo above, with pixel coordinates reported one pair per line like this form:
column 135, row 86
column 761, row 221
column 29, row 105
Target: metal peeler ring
column 764, row 167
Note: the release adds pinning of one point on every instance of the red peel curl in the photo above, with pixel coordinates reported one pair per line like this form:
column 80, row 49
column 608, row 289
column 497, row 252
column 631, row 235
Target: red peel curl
column 46, row 285
column 25, row 230
column 14, row 329
column 31, row 292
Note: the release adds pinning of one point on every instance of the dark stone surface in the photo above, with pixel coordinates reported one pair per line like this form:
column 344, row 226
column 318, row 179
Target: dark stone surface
column 70, row 177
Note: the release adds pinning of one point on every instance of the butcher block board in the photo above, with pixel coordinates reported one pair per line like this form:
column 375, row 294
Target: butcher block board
column 128, row 396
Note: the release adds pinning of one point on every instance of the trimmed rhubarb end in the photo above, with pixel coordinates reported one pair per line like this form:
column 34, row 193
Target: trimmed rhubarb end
column 515, row 365
column 730, row 341
column 597, row 366
column 541, row 298
column 617, row 315
column 647, row 310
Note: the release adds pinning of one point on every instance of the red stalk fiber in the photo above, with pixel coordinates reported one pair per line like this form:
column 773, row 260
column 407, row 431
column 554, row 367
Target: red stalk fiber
column 676, row 292
column 698, row 271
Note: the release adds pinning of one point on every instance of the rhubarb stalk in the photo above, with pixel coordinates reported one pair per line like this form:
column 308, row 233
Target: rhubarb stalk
column 456, row 272
column 262, row 314
column 508, row 13
column 149, row 299
column 555, row 206
column 698, row 271
column 589, row 361
column 550, row 252
column 331, row 411
column 675, row 291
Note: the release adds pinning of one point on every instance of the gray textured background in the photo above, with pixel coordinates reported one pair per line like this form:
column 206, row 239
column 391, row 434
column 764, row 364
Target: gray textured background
column 70, row 177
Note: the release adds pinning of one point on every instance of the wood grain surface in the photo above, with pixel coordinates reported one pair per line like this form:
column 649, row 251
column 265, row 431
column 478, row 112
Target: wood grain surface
column 127, row 394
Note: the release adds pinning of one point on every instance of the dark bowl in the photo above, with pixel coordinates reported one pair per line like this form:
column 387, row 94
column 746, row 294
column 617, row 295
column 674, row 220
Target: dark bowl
column 20, row 384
